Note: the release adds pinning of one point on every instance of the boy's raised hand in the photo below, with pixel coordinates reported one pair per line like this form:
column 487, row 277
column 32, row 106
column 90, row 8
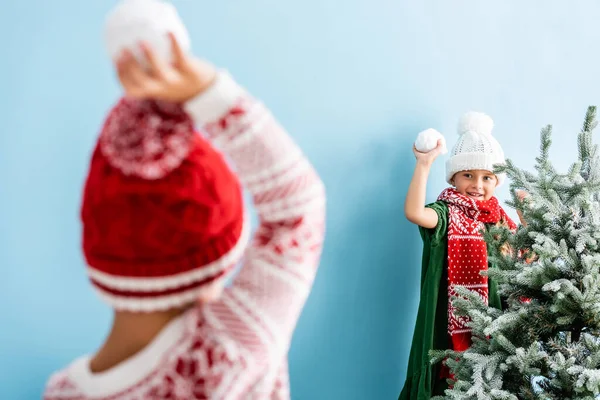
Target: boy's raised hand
column 178, row 82
column 430, row 156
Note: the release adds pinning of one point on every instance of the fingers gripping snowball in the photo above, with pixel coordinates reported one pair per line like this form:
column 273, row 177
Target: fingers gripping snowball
column 427, row 141
column 132, row 21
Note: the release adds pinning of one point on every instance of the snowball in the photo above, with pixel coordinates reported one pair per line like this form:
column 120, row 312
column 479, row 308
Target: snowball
column 427, row 141
column 132, row 21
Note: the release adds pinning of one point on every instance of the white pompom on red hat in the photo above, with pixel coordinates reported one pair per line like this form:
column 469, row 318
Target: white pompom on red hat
column 476, row 148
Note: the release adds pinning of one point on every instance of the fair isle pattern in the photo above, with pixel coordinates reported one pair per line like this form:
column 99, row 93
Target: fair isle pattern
column 236, row 348
column 61, row 387
column 467, row 254
column 282, row 383
column 201, row 365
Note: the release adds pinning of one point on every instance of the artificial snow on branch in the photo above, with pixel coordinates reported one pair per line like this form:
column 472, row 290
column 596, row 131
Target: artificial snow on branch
column 545, row 343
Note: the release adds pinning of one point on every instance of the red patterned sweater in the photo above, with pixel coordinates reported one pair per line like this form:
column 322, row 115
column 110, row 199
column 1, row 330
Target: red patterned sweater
column 235, row 348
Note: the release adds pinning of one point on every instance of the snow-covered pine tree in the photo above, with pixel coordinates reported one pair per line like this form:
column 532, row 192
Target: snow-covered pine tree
column 545, row 344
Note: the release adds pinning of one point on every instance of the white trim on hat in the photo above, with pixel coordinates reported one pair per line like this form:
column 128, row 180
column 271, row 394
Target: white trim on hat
column 158, row 303
column 158, row 284
column 473, row 161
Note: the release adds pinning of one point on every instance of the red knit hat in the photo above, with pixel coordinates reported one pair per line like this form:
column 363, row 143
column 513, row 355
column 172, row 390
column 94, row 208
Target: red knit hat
column 162, row 213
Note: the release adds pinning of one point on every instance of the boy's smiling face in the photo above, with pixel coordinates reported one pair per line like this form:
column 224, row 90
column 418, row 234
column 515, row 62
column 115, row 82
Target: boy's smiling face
column 477, row 184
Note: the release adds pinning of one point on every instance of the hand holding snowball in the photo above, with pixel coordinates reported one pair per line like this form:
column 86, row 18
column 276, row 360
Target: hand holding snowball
column 428, row 146
column 150, row 45
column 133, row 21
column 427, row 140
column 178, row 82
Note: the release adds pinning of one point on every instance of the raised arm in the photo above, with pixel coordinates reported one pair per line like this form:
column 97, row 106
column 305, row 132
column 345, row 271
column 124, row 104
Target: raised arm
column 283, row 184
column 414, row 206
column 288, row 196
column 260, row 311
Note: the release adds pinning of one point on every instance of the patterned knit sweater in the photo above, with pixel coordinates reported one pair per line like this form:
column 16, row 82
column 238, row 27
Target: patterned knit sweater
column 236, row 347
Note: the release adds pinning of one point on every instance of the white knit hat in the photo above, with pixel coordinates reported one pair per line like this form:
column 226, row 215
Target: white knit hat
column 150, row 20
column 476, row 148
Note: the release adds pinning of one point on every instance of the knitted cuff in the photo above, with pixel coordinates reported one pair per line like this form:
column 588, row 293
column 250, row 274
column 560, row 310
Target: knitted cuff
column 215, row 101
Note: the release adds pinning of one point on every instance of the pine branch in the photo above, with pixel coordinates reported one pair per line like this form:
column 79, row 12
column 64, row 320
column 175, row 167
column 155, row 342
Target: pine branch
column 545, row 343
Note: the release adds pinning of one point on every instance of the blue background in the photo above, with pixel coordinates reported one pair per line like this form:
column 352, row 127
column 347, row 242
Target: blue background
column 353, row 81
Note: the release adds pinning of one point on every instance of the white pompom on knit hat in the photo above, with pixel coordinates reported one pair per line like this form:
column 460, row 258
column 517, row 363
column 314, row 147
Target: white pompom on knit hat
column 476, row 148
column 131, row 21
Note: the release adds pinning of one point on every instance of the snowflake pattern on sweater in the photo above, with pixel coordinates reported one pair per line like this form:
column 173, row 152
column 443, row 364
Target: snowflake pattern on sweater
column 236, row 347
